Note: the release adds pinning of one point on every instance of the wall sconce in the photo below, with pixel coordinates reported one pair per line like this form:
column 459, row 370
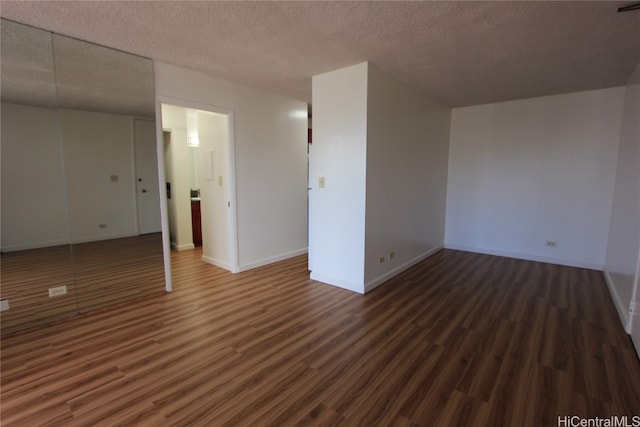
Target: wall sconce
column 193, row 141
column 192, row 128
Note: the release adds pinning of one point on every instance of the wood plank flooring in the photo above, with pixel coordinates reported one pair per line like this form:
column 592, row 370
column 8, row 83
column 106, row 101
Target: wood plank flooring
column 97, row 275
column 459, row 340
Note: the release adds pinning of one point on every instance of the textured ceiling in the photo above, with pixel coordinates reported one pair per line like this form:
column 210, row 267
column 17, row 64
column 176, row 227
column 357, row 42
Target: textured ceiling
column 92, row 77
column 462, row 53
column 49, row 70
column 27, row 66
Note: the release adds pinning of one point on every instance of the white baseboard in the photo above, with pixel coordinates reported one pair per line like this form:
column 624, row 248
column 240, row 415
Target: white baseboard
column 89, row 239
column 37, row 245
column 527, row 257
column 75, row 241
column 339, row 283
column 271, row 260
column 372, row 284
column 217, row 263
column 623, row 311
column 182, row 247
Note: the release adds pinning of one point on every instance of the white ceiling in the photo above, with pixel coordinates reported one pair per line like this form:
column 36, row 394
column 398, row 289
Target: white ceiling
column 45, row 70
column 462, row 53
column 91, row 77
column 27, row 66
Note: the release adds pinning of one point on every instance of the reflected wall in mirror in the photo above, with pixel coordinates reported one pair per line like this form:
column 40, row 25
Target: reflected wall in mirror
column 104, row 118
column 106, row 101
column 36, row 254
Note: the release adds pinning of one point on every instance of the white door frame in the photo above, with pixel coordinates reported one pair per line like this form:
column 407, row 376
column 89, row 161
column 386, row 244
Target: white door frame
column 164, row 211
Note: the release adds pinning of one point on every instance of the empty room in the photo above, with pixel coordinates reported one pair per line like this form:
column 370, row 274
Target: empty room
column 282, row 213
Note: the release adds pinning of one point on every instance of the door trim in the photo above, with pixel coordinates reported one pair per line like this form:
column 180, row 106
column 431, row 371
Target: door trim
column 233, row 215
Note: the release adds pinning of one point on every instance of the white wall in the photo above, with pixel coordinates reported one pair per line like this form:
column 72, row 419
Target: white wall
column 383, row 152
column 270, row 134
column 213, row 178
column 407, row 156
column 528, row 171
column 97, row 146
column 94, row 147
column 174, row 119
column 211, row 181
column 34, row 212
column 624, row 230
column 339, row 155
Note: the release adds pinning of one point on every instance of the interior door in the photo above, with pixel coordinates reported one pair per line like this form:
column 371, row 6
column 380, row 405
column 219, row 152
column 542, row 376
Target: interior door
column 146, row 163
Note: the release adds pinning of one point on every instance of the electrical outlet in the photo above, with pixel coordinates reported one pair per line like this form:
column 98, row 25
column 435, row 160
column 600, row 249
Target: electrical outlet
column 114, row 178
column 381, row 260
column 392, row 255
column 4, row 305
column 60, row 290
column 102, row 225
column 551, row 244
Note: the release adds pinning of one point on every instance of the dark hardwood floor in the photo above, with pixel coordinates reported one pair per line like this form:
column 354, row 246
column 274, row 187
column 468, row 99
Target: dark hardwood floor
column 459, row 340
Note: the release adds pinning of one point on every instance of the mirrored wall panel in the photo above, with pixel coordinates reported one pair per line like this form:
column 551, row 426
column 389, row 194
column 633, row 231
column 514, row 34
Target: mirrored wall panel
column 98, row 200
column 106, row 107
column 35, row 237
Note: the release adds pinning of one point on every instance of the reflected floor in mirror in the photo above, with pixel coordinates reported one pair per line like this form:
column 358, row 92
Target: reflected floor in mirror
column 104, row 273
column 27, row 277
column 460, row 339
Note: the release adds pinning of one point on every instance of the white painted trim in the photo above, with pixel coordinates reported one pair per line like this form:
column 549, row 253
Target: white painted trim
column 372, row 284
column 623, row 311
column 134, row 174
column 184, row 247
column 327, row 280
column 36, row 245
column 217, row 263
column 101, row 238
column 231, row 190
column 527, row 257
column 164, row 208
column 67, row 242
column 271, row 260
column 233, row 215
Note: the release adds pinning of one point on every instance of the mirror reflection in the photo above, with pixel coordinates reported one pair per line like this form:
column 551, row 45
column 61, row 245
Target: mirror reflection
column 36, row 254
column 101, row 196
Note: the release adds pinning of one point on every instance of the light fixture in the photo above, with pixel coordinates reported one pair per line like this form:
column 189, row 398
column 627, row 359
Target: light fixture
column 192, row 129
column 193, row 141
column 298, row 114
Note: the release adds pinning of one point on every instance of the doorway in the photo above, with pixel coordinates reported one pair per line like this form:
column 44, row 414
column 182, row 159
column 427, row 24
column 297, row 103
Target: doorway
column 200, row 187
column 146, row 165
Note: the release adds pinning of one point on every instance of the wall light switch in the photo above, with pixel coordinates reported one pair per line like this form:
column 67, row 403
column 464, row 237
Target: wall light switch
column 4, row 305
column 114, row 178
column 321, row 182
column 220, row 180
